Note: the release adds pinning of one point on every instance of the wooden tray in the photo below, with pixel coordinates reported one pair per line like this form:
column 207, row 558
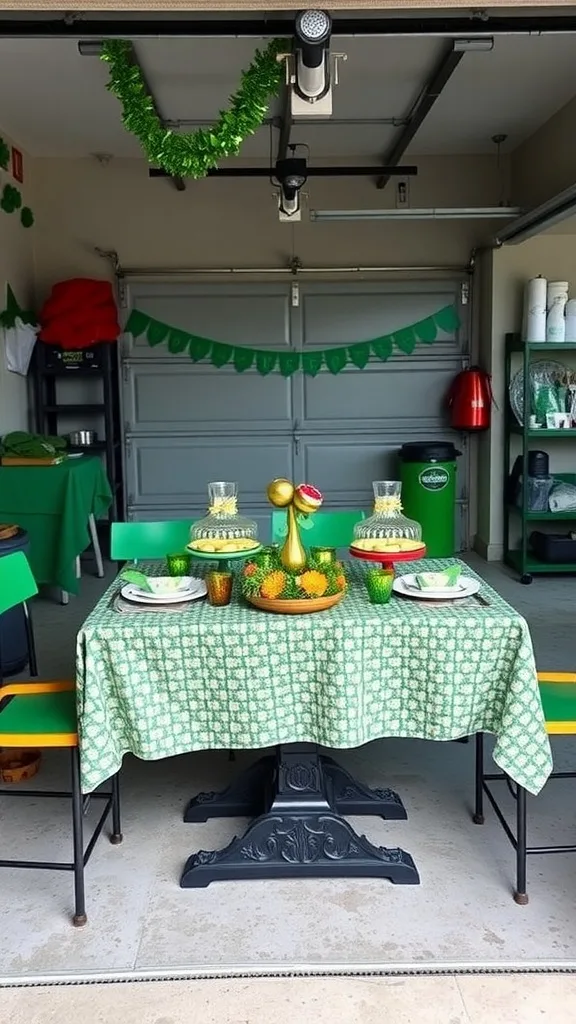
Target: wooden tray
column 296, row 606
column 15, row 460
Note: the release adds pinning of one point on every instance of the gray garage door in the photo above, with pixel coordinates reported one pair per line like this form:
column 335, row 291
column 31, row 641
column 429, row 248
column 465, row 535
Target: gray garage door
column 188, row 423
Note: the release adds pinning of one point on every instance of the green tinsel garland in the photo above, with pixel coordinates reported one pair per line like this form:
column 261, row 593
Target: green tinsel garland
column 193, row 154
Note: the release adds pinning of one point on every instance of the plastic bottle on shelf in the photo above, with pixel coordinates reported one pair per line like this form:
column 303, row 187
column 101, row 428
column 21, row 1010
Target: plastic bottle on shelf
column 555, row 321
column 570, row 320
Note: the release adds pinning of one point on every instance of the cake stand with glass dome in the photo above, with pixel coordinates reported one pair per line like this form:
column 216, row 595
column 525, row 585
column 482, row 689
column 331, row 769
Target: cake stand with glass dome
column 223, row 535
column 387, row 536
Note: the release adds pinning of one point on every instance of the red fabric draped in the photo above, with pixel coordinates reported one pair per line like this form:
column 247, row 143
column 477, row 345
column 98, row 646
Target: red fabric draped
column 79, row 313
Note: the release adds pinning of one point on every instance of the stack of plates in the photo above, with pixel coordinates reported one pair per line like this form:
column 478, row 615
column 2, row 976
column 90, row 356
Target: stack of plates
column 187, row 589
column 406, row 586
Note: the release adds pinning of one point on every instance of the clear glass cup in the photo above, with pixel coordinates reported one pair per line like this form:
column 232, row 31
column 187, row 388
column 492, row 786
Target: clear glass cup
column 219, row 586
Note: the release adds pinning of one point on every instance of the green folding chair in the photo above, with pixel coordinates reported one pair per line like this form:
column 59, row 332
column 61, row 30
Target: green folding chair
column 322, row 530
column 558, row 695
column 43, row 714
column 131, row 542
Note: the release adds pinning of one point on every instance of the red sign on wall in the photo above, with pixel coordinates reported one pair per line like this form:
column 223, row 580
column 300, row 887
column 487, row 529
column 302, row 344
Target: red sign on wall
column 17, row 165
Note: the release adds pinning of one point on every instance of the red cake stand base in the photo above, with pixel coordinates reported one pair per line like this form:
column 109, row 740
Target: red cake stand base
column 388, row 561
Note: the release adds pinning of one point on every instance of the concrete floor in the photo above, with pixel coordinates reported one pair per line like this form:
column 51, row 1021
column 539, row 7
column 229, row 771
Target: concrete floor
column 522, row 999
column 140, row 919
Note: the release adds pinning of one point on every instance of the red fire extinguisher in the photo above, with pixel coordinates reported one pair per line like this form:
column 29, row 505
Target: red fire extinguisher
column 470, row 399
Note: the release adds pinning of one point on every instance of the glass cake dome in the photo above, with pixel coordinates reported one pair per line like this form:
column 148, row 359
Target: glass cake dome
column 223, row 529
column 387, row 529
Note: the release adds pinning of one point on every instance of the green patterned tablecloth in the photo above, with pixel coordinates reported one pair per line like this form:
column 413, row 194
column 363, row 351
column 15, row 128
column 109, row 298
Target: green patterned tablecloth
column 163, row 683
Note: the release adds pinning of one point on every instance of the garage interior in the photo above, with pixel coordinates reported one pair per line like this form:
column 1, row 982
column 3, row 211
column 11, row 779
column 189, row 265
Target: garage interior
column 483, row 109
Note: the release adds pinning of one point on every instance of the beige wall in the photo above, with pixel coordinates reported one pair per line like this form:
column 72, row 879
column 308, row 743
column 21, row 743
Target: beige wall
column 234, row 222
column 546, row 163
column 505, row 271
column 16, row 268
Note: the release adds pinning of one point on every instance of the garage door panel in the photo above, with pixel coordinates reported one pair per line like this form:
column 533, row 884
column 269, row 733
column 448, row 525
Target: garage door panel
column 173, row 472
column 400, row 391
column 344, row 468
column 340, row 317
column 232, row 315
column 167, row 396
column 191, row 423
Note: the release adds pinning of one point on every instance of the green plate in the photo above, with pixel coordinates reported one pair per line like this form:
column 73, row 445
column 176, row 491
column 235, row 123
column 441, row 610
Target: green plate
column 222, row 556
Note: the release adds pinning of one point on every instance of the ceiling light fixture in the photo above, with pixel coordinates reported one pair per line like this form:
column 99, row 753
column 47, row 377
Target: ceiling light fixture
column 430, row 213
column 311, row 70
column 291, row 175
column 312, row 29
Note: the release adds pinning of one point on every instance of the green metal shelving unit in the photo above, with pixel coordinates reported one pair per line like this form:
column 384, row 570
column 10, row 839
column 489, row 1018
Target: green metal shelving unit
column 521, row 559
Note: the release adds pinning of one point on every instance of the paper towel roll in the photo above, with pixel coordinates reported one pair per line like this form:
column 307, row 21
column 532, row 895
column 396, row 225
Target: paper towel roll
column 534, row 328
column 571, row 320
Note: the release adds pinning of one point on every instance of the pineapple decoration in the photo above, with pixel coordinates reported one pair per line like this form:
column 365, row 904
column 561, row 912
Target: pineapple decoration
column 292, row 580
column 305, row 499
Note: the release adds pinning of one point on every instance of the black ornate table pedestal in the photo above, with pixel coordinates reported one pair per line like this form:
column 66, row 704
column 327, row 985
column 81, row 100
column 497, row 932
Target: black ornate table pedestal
column 297, row 799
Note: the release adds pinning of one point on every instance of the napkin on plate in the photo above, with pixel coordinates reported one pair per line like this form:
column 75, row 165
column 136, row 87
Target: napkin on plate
column 137, row 578
column 443, row 580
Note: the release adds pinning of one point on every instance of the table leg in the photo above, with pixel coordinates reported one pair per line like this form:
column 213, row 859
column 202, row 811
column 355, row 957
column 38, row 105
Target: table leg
column 249, row 795
column 96, row 545
column 300, row 834
column 245, row 797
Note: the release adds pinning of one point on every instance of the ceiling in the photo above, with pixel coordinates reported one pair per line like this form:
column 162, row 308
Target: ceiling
column 54, row 102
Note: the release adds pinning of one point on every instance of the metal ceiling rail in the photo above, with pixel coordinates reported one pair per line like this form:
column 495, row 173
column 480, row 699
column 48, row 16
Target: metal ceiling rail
column 406, row 171
column 553, row 211
column 177, row 180
column 293, row 267
column 287, row 271
column 421, row 107
column 286, row 123
column 262, row 28
column 276, row 122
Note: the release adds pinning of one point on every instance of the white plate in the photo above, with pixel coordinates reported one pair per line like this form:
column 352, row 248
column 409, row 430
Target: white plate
column 467, row 587
column 543, row 373
column 75, row 455
column 163, row 586
column 131, row 593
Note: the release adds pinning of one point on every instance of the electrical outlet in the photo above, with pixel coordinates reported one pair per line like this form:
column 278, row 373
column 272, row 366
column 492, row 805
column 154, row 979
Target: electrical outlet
column 402, row 194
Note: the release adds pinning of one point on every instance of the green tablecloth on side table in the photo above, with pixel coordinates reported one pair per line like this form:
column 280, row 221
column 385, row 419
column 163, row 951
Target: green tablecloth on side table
column 53, row 504
column 159, row 683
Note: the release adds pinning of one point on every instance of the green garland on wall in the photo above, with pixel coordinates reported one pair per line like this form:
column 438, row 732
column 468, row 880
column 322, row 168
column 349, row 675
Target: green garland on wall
column 193, row 154
column 242, row 358
column 11, row 198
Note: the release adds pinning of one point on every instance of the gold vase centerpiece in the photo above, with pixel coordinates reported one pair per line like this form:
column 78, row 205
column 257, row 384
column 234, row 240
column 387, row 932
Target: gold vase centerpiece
column 305, row 499
column 289, row 580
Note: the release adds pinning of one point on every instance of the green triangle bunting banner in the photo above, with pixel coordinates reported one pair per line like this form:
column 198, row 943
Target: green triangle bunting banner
column 288, row 362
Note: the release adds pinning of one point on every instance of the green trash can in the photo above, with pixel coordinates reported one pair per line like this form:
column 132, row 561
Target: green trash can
column 428, row 474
